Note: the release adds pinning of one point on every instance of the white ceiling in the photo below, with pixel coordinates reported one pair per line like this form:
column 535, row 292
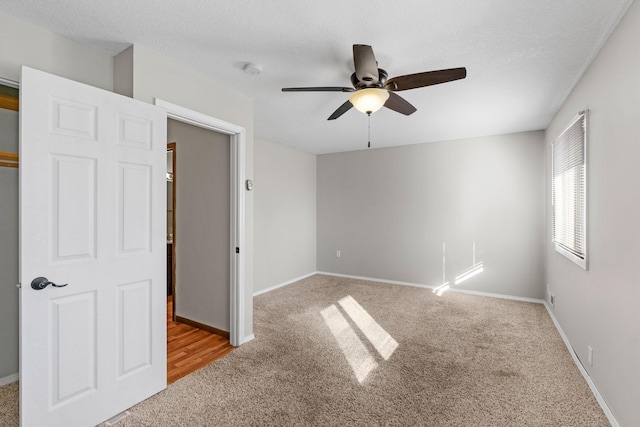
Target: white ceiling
column 523, row 57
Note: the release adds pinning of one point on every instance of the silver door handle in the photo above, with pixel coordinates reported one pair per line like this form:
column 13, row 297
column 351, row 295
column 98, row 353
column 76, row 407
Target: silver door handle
column 40, row 283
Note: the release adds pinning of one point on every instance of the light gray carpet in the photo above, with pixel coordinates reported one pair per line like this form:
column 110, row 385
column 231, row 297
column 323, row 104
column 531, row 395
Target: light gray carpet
column 9, row 405
column 333, row 351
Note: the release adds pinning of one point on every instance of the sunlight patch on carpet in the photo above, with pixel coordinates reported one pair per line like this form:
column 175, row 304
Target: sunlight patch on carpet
column 358, row 357
column 441, row 289
column 379, row 338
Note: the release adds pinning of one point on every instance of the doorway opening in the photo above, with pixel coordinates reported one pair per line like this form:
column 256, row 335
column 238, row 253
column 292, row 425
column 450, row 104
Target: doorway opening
column 198, row 222
column 171, row 225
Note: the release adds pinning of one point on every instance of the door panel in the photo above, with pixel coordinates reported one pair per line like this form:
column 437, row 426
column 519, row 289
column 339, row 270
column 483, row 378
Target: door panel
column 73, row 205
column 134, row 340
column 92, row 217
column 70, row 118
column 135, row 131
column 134, row 226
column 73, row 362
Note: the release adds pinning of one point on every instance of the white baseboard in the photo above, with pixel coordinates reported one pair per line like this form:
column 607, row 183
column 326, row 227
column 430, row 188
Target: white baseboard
column 8, row 380
column 420, row 285
column 264, row 291
column 247, row 339
column 585, row 374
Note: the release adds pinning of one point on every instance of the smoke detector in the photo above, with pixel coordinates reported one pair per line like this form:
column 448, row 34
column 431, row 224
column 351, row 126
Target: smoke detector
column 252, row 69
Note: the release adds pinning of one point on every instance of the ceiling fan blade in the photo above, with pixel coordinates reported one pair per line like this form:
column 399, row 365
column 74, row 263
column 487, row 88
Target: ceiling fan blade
column 341, row 110
column 428, row 78
column 318, row 89
column 365, row 63
column 399, row 104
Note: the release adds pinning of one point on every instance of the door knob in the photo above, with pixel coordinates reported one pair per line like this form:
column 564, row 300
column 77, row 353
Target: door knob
column 40, row 283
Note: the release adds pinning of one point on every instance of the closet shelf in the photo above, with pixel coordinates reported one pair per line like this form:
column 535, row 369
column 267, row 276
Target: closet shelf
column 8, row 160
column 9, row 102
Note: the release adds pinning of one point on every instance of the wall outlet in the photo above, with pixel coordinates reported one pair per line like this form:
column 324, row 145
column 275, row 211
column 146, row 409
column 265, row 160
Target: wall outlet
column 338, row 253
column 548, row 289
column 552, row 300
column 590, row 355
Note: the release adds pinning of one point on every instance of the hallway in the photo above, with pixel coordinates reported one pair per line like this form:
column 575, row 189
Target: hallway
column 189, row 348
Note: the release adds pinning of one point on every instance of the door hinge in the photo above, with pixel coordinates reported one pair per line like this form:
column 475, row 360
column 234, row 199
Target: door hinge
column 19, row 285
column 237, row 250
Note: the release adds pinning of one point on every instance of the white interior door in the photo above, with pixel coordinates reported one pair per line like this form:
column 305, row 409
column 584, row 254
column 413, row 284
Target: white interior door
column 92, row 218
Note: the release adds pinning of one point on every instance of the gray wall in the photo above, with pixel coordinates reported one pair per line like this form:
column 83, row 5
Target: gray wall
column 389, row 211
column 601, row 307
column 9, row 134
column 285, row 214
column 123, row 72
column 24, row 43
column 202, row 235
column 8, row 247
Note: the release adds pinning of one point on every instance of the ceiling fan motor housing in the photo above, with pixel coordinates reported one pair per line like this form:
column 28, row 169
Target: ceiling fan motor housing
column 382, row 79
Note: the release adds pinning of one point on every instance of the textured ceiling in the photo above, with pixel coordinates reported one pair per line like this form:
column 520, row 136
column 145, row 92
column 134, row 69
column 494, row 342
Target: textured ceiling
column 522, row 57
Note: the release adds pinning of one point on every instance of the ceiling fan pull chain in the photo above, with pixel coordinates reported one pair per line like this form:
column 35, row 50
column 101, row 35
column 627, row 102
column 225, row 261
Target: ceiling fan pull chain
column 369, row 129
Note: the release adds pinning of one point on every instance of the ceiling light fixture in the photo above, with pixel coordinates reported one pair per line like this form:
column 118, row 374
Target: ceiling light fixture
column 369, row 100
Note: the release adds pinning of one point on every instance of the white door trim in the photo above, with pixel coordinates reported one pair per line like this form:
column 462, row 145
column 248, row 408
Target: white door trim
column 237, row 137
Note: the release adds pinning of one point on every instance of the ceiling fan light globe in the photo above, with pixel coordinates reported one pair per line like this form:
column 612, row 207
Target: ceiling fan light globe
column 369, row 100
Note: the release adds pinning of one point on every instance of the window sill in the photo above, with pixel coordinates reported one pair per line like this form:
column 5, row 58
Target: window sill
column 571, row 257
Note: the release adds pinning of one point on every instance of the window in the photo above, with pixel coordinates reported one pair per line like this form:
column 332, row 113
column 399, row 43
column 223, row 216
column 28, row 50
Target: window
column 569, row 190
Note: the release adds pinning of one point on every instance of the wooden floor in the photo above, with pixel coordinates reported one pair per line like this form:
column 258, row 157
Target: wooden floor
column 189, row 348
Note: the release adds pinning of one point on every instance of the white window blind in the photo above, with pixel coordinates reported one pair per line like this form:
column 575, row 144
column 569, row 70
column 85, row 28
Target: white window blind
column 569, row 191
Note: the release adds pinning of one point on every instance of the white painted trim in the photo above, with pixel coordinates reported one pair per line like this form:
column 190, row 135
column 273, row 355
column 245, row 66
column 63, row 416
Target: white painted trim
column 373, row 279
column 585, row 374
column 198, row 119
column 9, row 83
column 237, row 240
column 272, row 288
column 582, row 263
column 419, row 285
column 247, row 339
column 9, row 379
column 236, row 336
column 500, row 296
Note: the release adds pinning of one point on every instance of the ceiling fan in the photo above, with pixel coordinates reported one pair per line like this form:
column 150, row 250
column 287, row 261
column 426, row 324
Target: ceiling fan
column 372, row 90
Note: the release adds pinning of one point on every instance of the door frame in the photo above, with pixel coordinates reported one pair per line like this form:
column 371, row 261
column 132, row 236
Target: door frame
column 237, row 241
column 171, row 146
